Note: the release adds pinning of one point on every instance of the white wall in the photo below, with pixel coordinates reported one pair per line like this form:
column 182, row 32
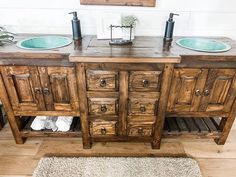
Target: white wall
column 197, row 17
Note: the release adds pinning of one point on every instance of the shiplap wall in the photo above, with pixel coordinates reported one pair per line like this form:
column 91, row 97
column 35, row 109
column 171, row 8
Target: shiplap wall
column 201, row 17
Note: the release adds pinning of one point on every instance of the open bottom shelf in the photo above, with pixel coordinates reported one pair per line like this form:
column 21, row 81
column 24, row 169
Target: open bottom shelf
column 75, row 129
column 202, row 127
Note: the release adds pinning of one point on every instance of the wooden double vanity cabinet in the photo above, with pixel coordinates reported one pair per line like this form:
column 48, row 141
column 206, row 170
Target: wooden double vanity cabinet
column 141, row 92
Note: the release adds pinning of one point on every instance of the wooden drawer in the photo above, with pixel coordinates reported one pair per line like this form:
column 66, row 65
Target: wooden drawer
column 101, row 127
column 102, row 80
column 145, row 80
column 103, row 106
column 135, row 129
column 142, row 106
column 141, row 119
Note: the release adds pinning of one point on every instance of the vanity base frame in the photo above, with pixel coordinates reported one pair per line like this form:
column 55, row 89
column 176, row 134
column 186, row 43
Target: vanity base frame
column 120, row 98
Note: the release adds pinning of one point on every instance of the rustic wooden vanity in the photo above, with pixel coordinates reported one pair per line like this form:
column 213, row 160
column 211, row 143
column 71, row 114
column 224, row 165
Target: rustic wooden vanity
column 141, row 92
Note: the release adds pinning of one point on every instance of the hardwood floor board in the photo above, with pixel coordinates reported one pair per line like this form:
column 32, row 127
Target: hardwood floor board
column 15, row 165
column 6, row 133
column 21, row 160
column 234, row 126
column 210, row 150
column 10, row 148
column 74, row 148
column 217, row 167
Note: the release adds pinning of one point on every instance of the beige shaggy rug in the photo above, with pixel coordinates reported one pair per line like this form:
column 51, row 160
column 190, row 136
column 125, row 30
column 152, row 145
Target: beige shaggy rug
column 116, row 167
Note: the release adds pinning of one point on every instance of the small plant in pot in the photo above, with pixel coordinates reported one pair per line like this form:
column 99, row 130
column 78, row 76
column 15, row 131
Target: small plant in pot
column 6, row 37
column 128, row 21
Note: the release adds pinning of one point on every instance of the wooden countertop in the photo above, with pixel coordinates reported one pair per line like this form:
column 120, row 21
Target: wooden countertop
column 143, row 50
column 147, row 49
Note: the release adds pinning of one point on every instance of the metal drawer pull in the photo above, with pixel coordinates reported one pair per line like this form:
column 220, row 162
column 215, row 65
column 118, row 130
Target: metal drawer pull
column 142, row 108
column 37, row 91
column 46, row 91
column 104, row 108
column 206, row 93
column 103, row 131
column 140, row 130
column 103, row 83
column 198, row 93
column 145, row 83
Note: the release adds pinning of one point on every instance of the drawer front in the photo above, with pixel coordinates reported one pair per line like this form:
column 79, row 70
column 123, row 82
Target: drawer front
column 145, row 80
column 102, row 80
column 142, row 106
column 141, row 119
column 135, row 129
column 103, row 106
column 103, row 128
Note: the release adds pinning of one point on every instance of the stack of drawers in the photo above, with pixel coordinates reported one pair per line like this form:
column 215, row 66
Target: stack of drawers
column 144, row 89
column 103, row 102
column 103, row 96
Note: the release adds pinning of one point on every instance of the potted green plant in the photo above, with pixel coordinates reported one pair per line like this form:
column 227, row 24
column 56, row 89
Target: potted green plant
column 128, row 21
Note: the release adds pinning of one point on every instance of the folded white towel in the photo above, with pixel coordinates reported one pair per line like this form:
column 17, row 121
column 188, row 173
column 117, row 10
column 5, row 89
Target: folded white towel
column 50, row 123
column 63, row 123
column 38, row 123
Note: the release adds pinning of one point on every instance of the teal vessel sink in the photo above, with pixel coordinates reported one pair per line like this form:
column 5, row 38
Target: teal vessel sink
column 203, row 45
column 44, row 42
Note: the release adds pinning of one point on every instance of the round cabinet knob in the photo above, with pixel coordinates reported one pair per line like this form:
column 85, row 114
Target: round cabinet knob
column 103, row 108
column 37, row 91
column 198, row 93
column 140, row 130
column 206, row 93
column 145, row 83
column 142, row 108
column 103, row 131
column 103, row 83
column 46, row 91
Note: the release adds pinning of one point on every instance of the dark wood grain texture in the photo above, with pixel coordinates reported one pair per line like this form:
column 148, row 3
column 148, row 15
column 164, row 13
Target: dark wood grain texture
column 83, row 104
column 123, row 102
column 227, row 126
column 165, row 89
column 140, row 92
column 13, row 121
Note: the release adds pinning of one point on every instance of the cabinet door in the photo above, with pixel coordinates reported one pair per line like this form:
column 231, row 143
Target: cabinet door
column 220, row 90
column 187, row 86
column 23, row 87
column 59, row 88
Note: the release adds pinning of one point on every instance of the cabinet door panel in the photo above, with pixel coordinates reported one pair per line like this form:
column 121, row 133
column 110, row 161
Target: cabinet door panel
column 59, row 88
column 186, row 88
column 220, row 90
column 24, row 89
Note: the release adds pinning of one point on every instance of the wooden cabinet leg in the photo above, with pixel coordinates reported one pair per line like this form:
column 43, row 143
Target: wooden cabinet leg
column 81, row 79
column 87, row 145
column 160, row 120
column 226, row 125
column 13, row 121
column 156, row 144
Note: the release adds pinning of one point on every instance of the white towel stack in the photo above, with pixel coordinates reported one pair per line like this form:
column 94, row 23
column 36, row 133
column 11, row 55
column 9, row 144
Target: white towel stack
column 38, row 123
column 61, row 123
column 50, row 123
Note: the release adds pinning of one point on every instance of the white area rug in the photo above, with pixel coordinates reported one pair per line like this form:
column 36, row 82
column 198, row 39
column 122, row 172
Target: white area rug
column 116, row 167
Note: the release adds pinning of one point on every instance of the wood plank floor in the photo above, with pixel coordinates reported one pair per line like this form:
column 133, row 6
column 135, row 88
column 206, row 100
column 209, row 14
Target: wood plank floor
column 20, row 160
